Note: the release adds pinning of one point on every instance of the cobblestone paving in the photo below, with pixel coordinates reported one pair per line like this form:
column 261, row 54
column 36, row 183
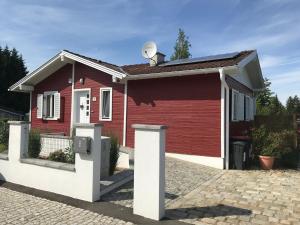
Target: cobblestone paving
column 19, row 208
column 181, row 178
column 243, row 197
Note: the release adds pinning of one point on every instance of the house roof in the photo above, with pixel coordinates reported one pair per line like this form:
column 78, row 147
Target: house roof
column 145, row 68
column 139, row 71
column 100, row 62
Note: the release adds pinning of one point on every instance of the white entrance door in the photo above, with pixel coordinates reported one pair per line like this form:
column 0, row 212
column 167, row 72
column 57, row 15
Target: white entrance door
column 82, row 109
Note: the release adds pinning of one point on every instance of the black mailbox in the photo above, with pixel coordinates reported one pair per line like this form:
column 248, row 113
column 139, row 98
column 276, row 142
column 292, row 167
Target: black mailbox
column 82, row 145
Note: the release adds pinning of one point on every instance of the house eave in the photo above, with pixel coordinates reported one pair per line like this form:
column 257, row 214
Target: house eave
column 181, row 73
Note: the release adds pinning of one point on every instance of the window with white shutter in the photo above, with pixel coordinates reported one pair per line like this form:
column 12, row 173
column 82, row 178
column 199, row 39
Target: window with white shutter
column 235, row 105
column 39, row 111
column 241, row 107
column 248, row 108
column 49, row 103
column 57, row 105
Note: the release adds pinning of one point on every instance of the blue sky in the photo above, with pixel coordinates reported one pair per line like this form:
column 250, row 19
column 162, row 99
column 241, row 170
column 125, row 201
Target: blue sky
column 115, row 31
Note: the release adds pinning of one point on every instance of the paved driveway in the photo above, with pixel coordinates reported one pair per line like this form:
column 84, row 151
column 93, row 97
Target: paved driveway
column 202, row 195
column 19, row 208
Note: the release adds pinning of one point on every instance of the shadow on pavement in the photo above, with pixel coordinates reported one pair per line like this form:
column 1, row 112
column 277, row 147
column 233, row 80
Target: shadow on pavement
column 206, row 212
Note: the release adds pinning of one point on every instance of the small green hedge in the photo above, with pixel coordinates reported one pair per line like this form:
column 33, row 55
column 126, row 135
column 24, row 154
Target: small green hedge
column 34, row 144
column 4, row 133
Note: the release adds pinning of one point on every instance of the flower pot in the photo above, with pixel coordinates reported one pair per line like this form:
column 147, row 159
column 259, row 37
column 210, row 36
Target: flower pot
column 266, row 162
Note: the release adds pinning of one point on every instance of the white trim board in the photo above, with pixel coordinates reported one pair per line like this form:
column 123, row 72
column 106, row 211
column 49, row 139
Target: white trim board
column 216, row 162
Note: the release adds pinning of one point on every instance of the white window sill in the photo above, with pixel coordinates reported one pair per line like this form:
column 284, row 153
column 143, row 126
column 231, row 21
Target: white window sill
column 50, row 118
column 104, row 119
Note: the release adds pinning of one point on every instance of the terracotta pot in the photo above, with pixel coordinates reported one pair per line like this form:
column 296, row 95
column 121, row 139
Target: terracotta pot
column 266, row 162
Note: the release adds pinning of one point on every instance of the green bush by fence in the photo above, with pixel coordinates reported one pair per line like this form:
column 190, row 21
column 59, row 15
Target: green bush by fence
column 34, row 143
column 4, row 134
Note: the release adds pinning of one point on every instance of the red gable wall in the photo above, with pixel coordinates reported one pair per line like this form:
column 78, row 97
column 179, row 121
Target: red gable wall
column 58, row 81
column 190, row 106
column 94, row 79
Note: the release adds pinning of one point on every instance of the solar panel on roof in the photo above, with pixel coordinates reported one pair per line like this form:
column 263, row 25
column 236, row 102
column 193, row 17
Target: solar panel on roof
column 201, row 59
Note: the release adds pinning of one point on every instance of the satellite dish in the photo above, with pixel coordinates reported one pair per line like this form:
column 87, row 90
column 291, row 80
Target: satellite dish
column 149, row 50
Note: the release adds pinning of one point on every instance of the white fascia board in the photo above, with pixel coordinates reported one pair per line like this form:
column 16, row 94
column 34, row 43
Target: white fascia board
column 93, row 65
column 247, row 60
column 178, row 73
column 32, row 74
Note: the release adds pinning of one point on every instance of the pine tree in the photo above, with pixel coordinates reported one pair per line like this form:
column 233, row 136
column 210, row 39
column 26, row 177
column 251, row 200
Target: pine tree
column 293, row 105
column 263, row 98
column 182, row 46
column 12, row 69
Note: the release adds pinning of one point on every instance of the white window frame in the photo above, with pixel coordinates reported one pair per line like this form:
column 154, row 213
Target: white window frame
column 47, row 93
column 233, row 105
column 101, row 101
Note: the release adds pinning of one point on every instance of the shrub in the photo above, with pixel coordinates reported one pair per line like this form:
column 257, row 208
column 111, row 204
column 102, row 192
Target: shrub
column 34, row 143
column 270, row 143
column 114, row 153
column 70, row 155
column 58, row 156
column 4, row 132
column 3, row 148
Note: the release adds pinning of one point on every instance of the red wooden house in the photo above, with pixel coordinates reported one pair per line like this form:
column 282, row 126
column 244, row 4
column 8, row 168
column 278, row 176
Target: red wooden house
column 204, row 101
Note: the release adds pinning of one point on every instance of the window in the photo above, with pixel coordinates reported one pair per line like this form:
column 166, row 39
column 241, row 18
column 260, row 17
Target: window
column 247, row 108
column 235, row 105
column 48, row 105
column 105, row 104
column 238, row 106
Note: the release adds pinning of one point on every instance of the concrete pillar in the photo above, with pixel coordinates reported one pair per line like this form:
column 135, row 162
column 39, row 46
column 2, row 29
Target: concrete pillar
column 88, row 166
column 18, row 140
column 149, row 171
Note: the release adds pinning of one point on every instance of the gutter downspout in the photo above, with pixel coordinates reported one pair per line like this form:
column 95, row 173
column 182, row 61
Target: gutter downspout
column 30, row 111
column 224, row 118
column 72, row 99
column 125, row 114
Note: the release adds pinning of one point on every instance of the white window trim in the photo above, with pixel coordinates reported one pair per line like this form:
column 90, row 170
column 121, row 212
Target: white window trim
column 45, row 94
column 100, row 105
column 233, row 105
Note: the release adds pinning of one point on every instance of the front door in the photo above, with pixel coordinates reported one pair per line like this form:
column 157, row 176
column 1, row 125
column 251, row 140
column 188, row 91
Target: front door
column 82, row 107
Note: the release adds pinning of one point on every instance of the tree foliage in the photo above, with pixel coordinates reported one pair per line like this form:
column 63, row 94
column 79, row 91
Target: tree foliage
column 267, row 103
column 12, row 69
column 293, row 105
column 182, row 46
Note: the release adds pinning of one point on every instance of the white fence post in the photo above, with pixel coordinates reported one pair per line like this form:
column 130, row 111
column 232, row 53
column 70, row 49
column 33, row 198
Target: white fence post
column 88, row 165
column 18, row 140
column 149, row 171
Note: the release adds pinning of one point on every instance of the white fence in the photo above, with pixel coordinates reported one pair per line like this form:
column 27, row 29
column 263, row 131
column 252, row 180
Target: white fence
column 82, row 182
column 54, row 142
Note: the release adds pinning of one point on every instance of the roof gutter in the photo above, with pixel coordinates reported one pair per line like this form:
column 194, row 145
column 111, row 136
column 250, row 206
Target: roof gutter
column 178, row 73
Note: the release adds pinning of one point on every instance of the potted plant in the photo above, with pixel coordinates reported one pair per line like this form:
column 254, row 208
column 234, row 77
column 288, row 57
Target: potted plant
column 270, row 145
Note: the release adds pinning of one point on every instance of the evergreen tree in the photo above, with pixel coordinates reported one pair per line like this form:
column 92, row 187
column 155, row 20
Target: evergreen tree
column 12, row 69
column 293, row 105
column 263, row 98
column 275, row 107
column 182, row 46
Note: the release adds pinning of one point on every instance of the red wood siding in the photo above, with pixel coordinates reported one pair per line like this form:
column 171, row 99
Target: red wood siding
column 58, row 81
column 96, row 79
column 239, row 128
column 190, row 106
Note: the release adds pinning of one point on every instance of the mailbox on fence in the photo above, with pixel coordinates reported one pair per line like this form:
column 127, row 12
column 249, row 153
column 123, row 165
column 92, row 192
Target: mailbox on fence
column 82, row 145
